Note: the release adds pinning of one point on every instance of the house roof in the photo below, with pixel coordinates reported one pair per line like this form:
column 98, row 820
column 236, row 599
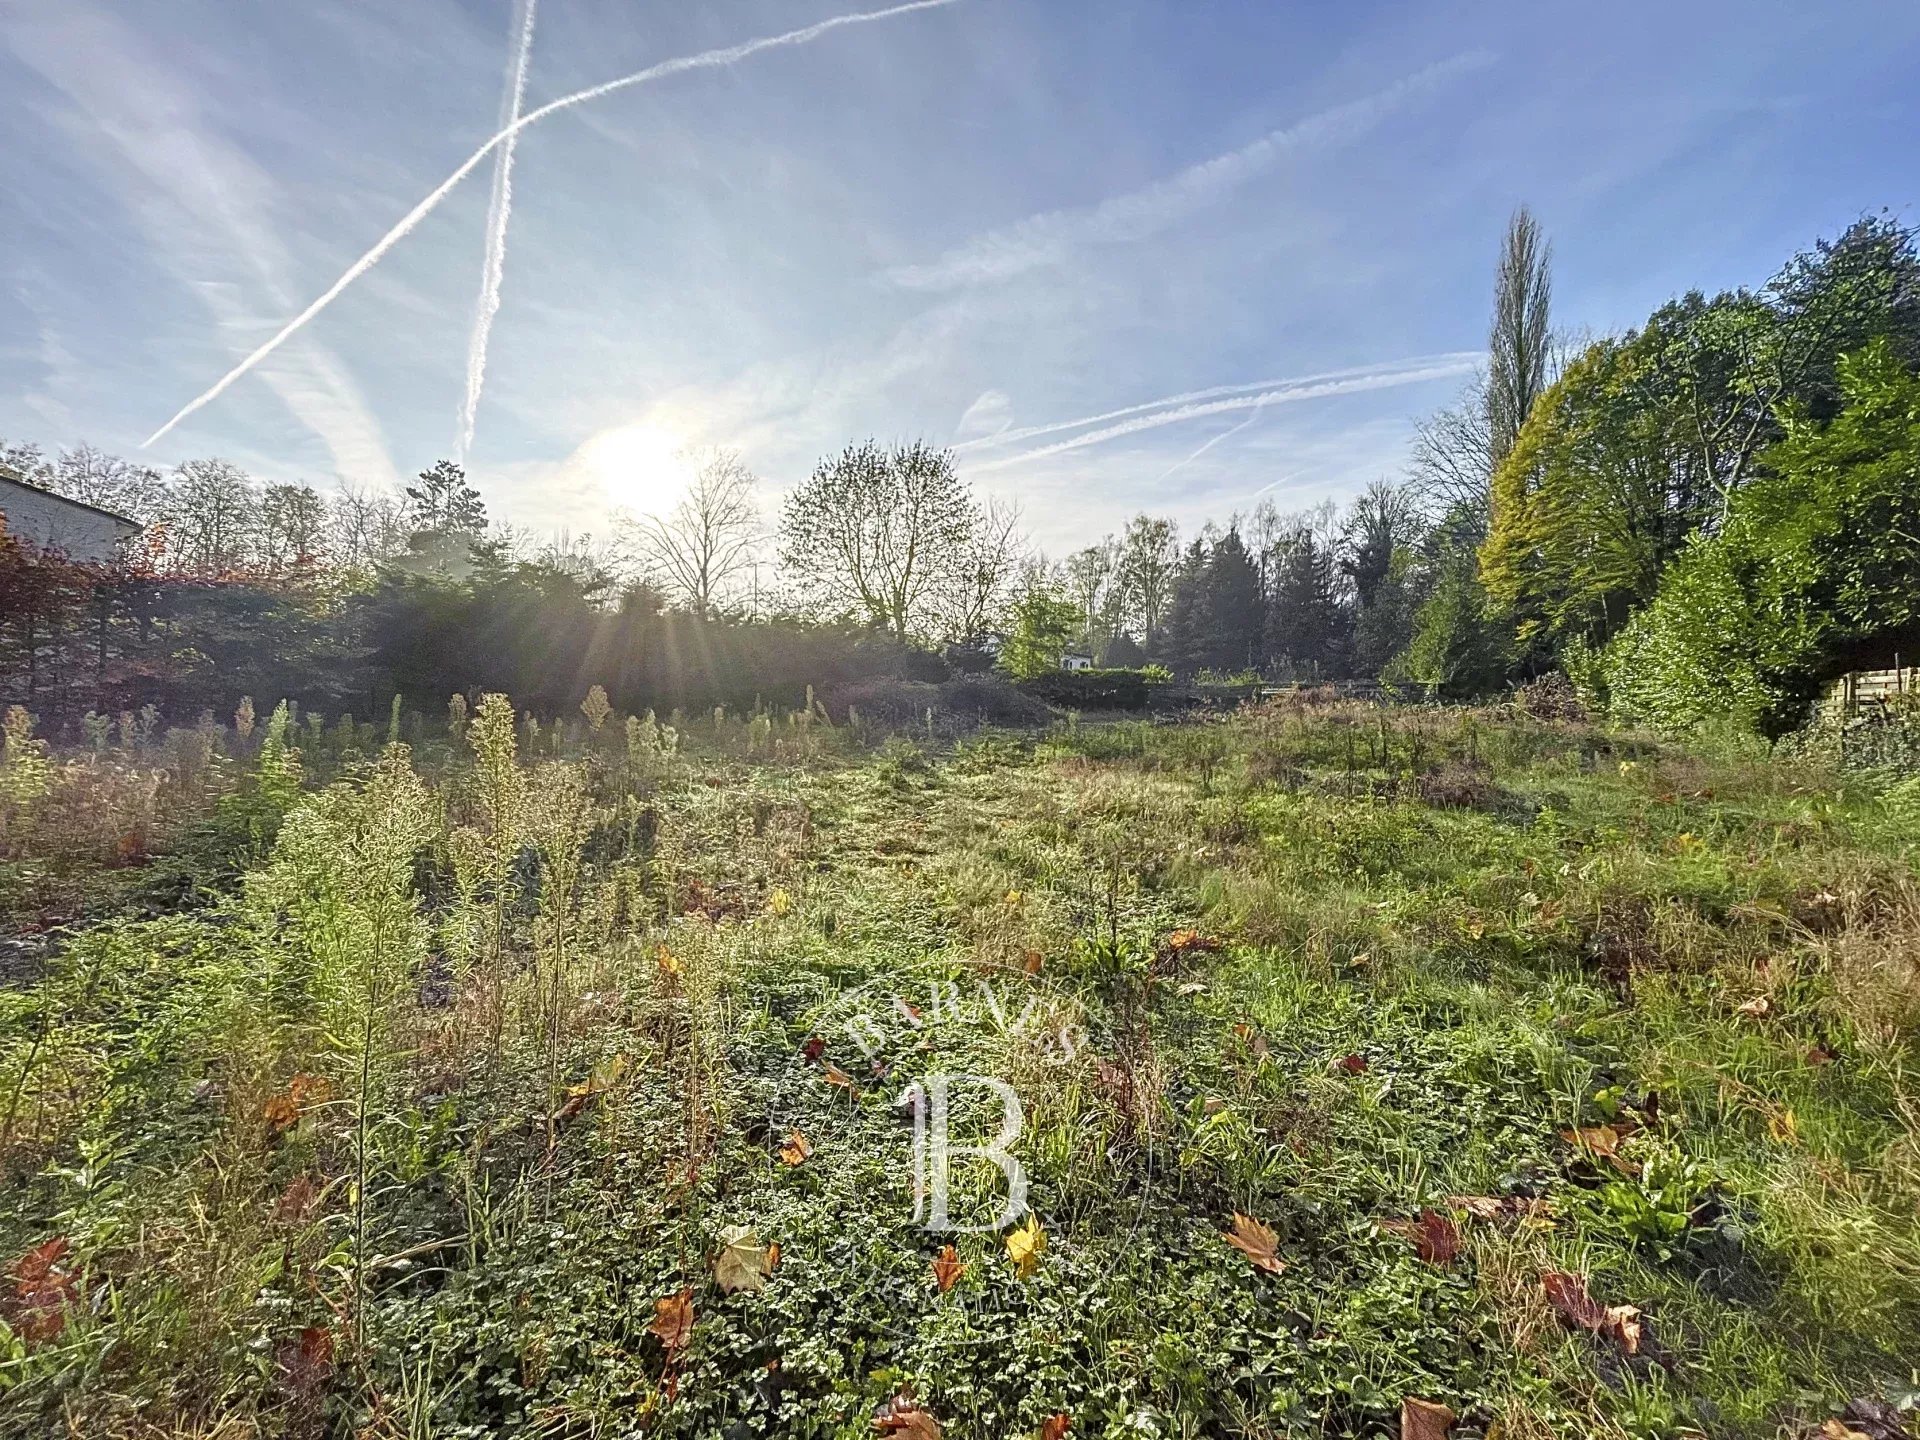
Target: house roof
column 12, row 478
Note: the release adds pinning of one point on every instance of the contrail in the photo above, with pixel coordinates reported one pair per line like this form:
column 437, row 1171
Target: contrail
column 1210, row 443
column 1456, row 361
column 499, row 208
column 706, row 60
column 1179, row 413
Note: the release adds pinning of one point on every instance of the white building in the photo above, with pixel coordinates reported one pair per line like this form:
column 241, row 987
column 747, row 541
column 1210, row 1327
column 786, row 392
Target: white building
column 48, row 521
column 1075, row 660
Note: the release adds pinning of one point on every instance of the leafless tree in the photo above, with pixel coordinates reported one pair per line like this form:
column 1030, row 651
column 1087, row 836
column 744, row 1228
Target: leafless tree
column 1452, row 463
column 97, row 478
column 365, row 527
column 293, row 525
column 214, row 513
column 695, row 551
column 982, row 576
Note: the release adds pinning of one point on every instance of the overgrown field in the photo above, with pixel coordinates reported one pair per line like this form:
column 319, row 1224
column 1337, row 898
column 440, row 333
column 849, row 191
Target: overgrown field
column 1374, row 1072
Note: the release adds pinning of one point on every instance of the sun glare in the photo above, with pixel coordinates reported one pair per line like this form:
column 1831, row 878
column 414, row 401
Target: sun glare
column 639, row 467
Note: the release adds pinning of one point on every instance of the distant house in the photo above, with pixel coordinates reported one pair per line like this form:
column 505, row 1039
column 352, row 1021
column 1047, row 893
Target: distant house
column 48, row 521
column 1075, row 660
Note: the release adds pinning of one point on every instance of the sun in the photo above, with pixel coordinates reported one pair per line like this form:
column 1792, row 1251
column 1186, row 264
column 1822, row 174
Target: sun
column 641, row 467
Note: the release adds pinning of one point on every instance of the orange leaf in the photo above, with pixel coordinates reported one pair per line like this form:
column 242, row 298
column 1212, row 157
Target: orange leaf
column 1181, row 941
column 948, row 1267
column 839, row 1078
column 43, row 1289
column 1604, row 1142
column 902, row 1415
column 796, row 1150
column 1568, row 1294
column 1424, row 1420
column 1055, row 1427
column 1257, row 1242
column 673, row 1319
column 1435, row 1238
column 1032, row 962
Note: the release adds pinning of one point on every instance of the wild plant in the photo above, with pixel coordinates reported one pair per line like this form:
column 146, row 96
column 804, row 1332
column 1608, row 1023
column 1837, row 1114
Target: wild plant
column 26, row 774
column 559, row 817
column 393, row 721
column 243, row 717
column 596, row 707
column 98, row 729
column 341, row 928
column 457, row 716
column 500, row 791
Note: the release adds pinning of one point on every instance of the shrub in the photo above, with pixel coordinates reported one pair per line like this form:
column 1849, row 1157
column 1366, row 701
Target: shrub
column 1090, row 689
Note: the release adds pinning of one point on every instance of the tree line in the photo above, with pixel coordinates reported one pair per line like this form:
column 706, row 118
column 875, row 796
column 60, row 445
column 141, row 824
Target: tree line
column 1706, row 514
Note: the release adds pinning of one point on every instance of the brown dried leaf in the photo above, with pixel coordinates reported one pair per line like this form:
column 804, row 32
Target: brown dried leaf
column 1257, row 1242
column 903, row 1416
column 1568, row 1295
column 796, row 1150
column 1055, row 1427
column 673, row 1319
column 948, row 1267
column 1435, row 1238
column 43, row 1288
column 1351, row 1064
column 815, row 1047
column 1755, row 1008
column 1424, row 1420
column 839, row 1079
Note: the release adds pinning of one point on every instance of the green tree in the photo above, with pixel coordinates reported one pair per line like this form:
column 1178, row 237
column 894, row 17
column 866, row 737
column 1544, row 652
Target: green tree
column 1044, row 625
column 1813, row 569
column 876, row 533
column 1460, row 642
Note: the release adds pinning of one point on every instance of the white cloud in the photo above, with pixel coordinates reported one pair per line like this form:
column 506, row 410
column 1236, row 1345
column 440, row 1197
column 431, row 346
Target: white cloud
column 203, row 203
column 1051, row 238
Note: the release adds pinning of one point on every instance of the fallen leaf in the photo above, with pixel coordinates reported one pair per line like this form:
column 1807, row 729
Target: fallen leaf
column 43, row 1288
column 1435, row 1238
column 815, row 1047
column 1025, row 1245
column 947, row 1268
column 1424, row 1420
column 306, row 1362
column 1568, row 1295
column 1182, row 941
column 744, row 1263
column 673, row 1319
column 1603, row 1141
column 282, row 1112
column 1819, row 1055
column 1014, row 897
column 779, row 902
column 902, row 1415
column 1257, row 1242
column 296, row 1201
column 1252, row 1039
column 1831, row 1429
column 1032, row 962
column 839, row 1078
column 1782, row 1126
column 668, row 962
column 1755, row 1008
column 796, row 1150
column 1351, row 1064
column 1054, row 1427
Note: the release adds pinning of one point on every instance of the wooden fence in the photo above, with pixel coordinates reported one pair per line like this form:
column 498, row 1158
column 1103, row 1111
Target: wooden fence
column 1865, row 687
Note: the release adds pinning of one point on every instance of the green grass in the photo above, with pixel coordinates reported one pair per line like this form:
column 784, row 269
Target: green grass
column 1518, row 928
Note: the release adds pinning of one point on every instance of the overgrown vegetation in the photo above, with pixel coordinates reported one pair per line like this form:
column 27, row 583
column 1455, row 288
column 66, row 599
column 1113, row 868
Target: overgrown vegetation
column 1421, row 1072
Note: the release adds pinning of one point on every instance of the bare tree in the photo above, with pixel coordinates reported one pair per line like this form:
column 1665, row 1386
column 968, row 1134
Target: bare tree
column 293, row 525
column 1149, row 559
column 1520, row 341
column 695, row 551
column 878, row 533
column 1452, row 463
column 365, row 527
column 982, row 578
column 97, row 478
column 215, row 517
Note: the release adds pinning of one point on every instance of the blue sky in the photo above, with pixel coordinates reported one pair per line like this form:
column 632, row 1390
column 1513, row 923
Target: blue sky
column 983, row 218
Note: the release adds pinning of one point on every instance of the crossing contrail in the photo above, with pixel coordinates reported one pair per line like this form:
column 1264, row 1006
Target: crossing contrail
column 499, row 208
column 1418, row 367
column 706, row 60
column 1171, row 412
